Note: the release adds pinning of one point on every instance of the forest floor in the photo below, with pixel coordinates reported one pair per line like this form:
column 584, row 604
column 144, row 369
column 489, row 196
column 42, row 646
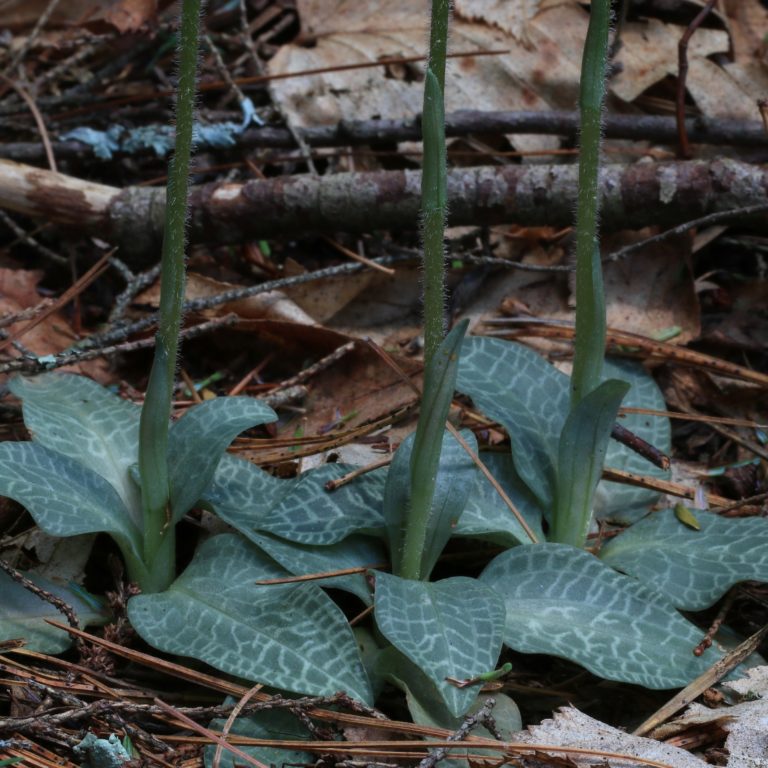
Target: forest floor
column 304, row 264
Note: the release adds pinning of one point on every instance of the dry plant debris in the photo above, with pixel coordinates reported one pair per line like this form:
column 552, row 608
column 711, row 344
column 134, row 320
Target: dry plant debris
column 696, row 304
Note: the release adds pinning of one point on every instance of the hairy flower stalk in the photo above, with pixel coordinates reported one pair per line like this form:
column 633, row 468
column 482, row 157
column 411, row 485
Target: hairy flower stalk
column 434, row 192
column 434, row 204
column 590, row 301
column 594, row 403
column 159, row 537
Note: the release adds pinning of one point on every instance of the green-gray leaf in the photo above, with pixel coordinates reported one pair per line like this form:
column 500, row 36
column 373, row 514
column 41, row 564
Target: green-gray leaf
column 198, row 440
column 64, row 497
column 487, row 517
column 450, row 628
column 505, row 713
column 425, row 702
column 456, row 475
column 299, row 509
column 82, row 420
column 275, row 724
column 692, row 568
column 23, row 614
column 527, row 396
column 371, row 650
column 616, row 500
column 428, row 708
column 581, row 455
column 562, row 601
column 289, row 636
column 530, row 398
column 439, row 384
column 429, row 519
column 303, row 559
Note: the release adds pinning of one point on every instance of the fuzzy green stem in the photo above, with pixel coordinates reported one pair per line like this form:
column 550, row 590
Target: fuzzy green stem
column 590, row 301
column 434, row 206
column 438, row 39
column 593, row 407
column 159, row 535
column 434, row 196
column 434, row 193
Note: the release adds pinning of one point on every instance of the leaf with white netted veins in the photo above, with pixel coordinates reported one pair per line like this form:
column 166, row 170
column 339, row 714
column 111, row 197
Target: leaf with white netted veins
column 692, row 568
column 23, row 615
column 487, row 517
column 304, row 559
column 300, row 509
column 427, row 707
column 454, row 480
column 199, row 439
column 581, row 456
column 64, row 497
column 529, row 397
column 290, row 636
column 616, row 499
column 275, row 724
column 563, row 601
column 449, row 628
column 83, row 420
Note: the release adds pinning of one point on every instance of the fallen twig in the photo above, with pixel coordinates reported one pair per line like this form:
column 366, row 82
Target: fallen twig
column 638, row 195
column 656, row 128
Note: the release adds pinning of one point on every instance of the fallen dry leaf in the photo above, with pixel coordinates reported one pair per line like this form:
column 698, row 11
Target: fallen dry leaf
column 652, row 291
column 746, row 723
column 542, row 44
column 129, row 15
column 324, row 299
column 729, row 92
column 512, row 16
column 354, row 392
column 388, row 310
column 754, row 683
column 749, row 27
column 358, row 389
column 272, row 305
column 572, row 728
column 744, row 325
column 647, row 293
column 649, row 54
column 342, row 33
column 124, row 15
column 720, row 90
column 18, row 291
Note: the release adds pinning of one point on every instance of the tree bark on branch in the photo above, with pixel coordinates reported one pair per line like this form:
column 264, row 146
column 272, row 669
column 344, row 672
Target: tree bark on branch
column 634, row 196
